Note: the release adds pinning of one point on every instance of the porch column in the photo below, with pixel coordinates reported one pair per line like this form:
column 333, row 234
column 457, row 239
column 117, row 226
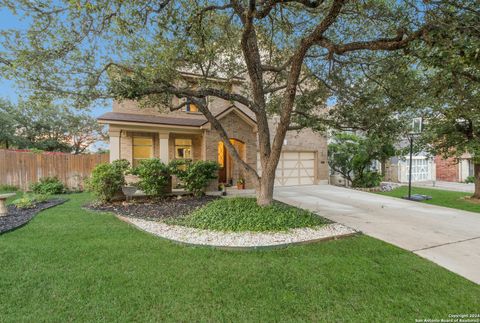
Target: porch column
column 114, row 144
column 163, row 143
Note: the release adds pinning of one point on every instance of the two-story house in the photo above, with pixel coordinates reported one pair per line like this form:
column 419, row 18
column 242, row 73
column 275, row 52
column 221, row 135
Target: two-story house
column 140, row 133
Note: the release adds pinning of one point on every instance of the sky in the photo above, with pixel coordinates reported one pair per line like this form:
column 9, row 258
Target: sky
column 8, row 89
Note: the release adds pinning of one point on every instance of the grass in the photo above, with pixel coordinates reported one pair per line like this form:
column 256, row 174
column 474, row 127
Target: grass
column 450, row 199
column 243, row 214
column 70, row 264
column 6, row 188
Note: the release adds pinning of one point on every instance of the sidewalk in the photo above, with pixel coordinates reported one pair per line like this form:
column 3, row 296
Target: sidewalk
column 448, row 186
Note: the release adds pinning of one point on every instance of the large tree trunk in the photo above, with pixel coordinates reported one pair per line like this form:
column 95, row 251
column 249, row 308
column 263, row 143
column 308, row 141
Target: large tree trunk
column 264, row 189
column 476, row 171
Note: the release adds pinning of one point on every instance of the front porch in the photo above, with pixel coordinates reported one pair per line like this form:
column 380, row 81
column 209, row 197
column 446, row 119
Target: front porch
column 135, row 144
column 135, row 137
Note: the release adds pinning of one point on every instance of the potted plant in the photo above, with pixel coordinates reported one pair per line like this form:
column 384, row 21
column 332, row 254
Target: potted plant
column 222, row 188
column 241, row 184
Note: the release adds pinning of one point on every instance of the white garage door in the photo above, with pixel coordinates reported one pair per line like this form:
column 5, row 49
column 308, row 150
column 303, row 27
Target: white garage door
column 421, row 169
column 294, row 168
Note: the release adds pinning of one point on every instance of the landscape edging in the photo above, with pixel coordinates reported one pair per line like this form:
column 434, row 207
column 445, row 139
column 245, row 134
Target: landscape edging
column 241, row 248
column 58, row 202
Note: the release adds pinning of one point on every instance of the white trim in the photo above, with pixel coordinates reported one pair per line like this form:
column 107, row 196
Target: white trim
column 163, row 146
column 114, row 146
column 133, row 126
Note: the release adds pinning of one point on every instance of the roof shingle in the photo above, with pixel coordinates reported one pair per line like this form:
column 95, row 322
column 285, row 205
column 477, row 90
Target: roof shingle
column 141, row 118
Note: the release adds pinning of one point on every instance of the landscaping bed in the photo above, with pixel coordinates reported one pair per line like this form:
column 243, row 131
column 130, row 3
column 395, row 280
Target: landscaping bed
column 237, row 223
column 238, row 214
column 17, row 217
column 243, row 214
column 158, row 209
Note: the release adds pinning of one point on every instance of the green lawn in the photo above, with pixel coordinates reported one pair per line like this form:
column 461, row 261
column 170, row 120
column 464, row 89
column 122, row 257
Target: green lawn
column 439, row 197
column 244, row 214
column 70, row 264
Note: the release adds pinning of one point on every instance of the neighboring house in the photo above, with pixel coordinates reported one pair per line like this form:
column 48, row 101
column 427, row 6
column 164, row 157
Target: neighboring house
column 454, row 169
column 139, row 133
column 398, row 169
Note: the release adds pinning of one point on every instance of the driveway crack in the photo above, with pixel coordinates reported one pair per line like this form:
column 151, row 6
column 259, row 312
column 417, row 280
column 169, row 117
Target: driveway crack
column 445, row 244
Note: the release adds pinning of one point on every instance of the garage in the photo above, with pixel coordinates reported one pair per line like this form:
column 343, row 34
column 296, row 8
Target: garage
column 294, row 168
column 423, row 169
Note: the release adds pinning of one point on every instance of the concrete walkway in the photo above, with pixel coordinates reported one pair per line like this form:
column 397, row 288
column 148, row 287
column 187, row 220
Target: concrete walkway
column 448, row 237
column 447, row 186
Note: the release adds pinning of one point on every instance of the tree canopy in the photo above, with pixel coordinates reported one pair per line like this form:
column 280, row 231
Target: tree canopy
column 284, row 51
column 39, row 123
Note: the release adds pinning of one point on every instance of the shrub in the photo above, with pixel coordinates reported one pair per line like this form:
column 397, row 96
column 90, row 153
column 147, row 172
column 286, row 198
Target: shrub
column 108, row 179
column 29, row 201
column 8, row 188
column 48, row 185
column 24, row 202
column 470, row 179
column 195, row 176
column 154, row 176
column 367, row 179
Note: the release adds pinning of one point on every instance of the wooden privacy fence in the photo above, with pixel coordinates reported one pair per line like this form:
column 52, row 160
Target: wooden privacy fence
column 23, row 168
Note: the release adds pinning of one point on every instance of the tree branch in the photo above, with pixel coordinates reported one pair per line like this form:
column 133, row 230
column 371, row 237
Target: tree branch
column 394, row 43
column 269, row 5
column 225, row 138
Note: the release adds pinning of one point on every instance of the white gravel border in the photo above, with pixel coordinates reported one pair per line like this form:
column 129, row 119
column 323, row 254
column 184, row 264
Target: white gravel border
column 240, row 240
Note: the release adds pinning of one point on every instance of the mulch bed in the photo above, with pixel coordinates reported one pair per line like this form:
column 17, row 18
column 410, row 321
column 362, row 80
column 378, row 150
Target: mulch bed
column 17, row 217
column 156, row 209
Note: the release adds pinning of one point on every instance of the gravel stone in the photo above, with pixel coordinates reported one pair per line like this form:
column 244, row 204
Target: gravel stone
column 239, row 239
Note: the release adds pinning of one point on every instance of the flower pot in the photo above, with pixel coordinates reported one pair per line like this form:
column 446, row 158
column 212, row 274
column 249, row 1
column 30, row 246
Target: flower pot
column 241, row 186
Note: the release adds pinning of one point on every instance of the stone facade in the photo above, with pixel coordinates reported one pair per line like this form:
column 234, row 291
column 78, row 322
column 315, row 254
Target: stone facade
column 239, row 126
column 240, row 130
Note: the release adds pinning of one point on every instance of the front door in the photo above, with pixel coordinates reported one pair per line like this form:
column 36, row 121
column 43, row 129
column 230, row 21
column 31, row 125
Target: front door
column 227, row 171
column 222, row 161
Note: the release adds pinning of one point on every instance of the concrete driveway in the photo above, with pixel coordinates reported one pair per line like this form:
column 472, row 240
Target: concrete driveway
column 448, row 237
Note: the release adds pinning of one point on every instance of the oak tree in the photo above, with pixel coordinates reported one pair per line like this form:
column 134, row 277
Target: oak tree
column 282, row 48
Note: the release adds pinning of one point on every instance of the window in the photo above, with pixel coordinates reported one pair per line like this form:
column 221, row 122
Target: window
column 190, row 107
column 183, row 148
column 471, row 168
column 142, row 149
column 221, row 154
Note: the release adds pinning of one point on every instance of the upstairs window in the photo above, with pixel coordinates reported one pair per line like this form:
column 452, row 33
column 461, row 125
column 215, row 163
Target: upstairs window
column 190, row 107
column 183, row 148
column 142, row 149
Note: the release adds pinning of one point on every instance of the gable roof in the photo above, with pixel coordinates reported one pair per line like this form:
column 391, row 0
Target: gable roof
column 234, row 109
